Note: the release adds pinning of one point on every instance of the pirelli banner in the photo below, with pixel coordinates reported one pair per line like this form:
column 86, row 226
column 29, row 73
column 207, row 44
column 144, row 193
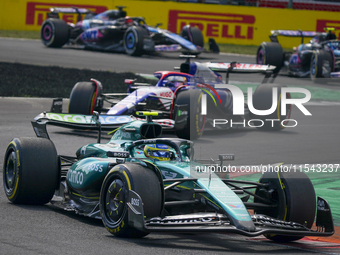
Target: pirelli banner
column 224, row 23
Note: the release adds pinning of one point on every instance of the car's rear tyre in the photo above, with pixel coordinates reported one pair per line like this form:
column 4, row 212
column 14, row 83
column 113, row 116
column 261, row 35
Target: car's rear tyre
column 114, row 195
column 270, row 53
column 193, row 34
column 134, row 40
column 30, row 171
column 263, row 100
column 295, row 196
column 54, row 33
column 321, row 64
column 189, row 124
column 83, row 98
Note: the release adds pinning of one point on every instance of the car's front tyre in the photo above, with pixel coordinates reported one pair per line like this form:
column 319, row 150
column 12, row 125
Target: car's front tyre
column 321, row 64
column 83, row 98
column 293, row 194
column 189, row 123
column 193, row 34
column 270, row 53
column 114, row 197
column 30, row 170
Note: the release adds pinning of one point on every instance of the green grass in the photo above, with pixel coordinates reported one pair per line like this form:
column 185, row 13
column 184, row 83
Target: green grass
column 237, row 49
column 325, row 185
column 228, row 48
column 20, row 34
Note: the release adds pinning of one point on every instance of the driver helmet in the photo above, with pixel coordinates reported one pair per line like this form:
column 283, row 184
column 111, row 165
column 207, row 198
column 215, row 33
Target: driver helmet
column 157, row 151
column 315, row 39
column 175, row 81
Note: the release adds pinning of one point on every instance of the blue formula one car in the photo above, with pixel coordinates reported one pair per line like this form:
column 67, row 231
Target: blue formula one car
column 113, row 31
column 180, row 96
column 320, row 58
column 139, row 183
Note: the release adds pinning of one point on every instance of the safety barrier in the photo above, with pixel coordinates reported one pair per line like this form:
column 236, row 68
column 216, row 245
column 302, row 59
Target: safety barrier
column 245, row 25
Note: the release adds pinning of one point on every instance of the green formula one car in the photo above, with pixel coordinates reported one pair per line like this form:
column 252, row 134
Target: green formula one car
column 139, row 183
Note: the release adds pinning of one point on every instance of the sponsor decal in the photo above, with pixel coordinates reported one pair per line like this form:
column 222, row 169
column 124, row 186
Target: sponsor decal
column 83, row 150
column 214, row 24
column 322, row 23
column 75, row 177
column 87, row 119
column 236, row 66
column 90, row 35
column 321, row 205
column 118, row 154
column 235, row 206
column 168, row 174
column 95, row 167
column 173, row 47
column 294, row 60
column 226, row 157
column 134, row 201
column 122, row 134
column 166, row 94
column 179, row 221
column 36, row 12
column 180, row 113
column 165, row 123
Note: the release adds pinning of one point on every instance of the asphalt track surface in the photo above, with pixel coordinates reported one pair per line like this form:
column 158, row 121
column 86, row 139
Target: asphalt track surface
column 45, row 230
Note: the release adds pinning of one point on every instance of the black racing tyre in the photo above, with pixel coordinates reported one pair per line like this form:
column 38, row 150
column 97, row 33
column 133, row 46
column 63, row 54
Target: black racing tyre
column 321, row 64
column 263, row 100
column 193, row 34
column 114, row 195
column 30, row 171
column 54, row 32
column 295, row 196
column 270, row 53
column 83, row 98
column 134, row 40
column 189, row 125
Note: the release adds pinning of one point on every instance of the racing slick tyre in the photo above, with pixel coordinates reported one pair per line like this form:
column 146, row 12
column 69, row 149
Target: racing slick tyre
column 189, row 122
column 294, row 195
column 263, row 100
column 134, row 40
column 54, row 33
column 114, row 195
column 321, row 64
column 30, row 171
column 193, row 34
column 270, row 53
column 83, row 98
